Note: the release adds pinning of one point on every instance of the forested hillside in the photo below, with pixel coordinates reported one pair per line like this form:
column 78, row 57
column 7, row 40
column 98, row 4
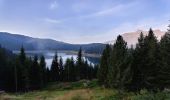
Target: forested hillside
column 18, row 73
column 14, row 42
column 145, row 66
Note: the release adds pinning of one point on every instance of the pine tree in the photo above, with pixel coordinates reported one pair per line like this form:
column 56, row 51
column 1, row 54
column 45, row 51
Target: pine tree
column 96, row 68
column 67, row 70
column 35, row 74
column 104, row 64
column 7, row 81
column 55, row 69
column 86, row 67
column 90, row 71
column 118, row 70
column 150, row 68
column 23, row 74
column 61, row 69
column 43, row 71
column 164, row 55
column 48, row 73
column 72, row 70
column 138, row 63
column 79, row 65
column 22, row 55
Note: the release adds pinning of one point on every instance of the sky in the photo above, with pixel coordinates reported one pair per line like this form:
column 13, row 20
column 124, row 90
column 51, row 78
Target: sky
column 82, row 21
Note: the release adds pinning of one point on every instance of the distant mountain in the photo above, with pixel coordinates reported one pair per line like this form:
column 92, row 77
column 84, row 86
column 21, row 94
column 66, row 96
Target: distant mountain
column 15, row 41
column 132, row 37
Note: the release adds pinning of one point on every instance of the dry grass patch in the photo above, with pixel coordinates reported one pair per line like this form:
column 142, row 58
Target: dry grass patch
column 80, row 94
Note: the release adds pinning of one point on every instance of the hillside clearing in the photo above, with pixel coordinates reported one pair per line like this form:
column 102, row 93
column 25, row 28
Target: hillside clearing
column 81, row 91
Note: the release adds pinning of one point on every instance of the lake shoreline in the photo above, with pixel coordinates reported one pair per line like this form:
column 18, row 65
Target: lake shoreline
column 68, row 52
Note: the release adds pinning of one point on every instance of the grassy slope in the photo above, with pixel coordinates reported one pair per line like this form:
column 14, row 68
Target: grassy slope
column 81, row 91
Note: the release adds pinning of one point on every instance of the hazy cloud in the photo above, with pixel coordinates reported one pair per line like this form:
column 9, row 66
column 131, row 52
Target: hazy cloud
column 54, row 5
column 53, row 21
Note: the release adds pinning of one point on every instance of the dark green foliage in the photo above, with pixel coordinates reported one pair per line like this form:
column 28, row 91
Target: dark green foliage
column 150, row 68
column 72, row 70
column 67, row 70
column 35, row 74
column 83, row 70
column 22, row 74
column 146, row 66
column 79, row 65
column 119, row 69
column 43, row 71
column 164, row 56
column 55, row 69
column 61, row 67
column 104, row 63
column 6, row 71
column 138, row 63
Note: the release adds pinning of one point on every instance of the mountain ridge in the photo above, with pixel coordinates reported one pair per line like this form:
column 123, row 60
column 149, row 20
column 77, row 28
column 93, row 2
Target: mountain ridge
column 132, row 37
column 15, row 41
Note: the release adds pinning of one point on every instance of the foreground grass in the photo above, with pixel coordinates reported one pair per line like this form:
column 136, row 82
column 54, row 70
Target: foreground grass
column 82, row 90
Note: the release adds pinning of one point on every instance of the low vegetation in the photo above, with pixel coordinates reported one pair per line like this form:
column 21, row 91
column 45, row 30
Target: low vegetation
column 83, row 90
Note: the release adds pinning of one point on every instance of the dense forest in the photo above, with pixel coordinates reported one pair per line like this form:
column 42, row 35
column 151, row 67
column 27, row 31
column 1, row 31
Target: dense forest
column 144, row 66
column 19, row 73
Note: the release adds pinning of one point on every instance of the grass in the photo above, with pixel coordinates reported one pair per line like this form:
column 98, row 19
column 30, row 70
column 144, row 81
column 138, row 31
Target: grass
column 83, row 90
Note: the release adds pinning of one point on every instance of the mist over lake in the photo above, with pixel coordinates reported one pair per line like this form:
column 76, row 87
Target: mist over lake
column 64, row 54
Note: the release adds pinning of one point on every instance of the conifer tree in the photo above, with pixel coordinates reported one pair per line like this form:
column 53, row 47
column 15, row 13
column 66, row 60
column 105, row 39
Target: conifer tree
column 86, row 67
column 150, row 68
column 104, row 64
column 117, row 68
column 61, row 67
column 164, row 55
column 138, row 63
column 72, row 70
column 23, row 74
column 43, row 71
column 67, row 69
column 35, row 74
column 48, row 73
column 96, row 68
column 79, row 65
column 55, row 69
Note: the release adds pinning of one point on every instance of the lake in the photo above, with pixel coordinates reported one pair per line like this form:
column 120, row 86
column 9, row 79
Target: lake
column 64, row 54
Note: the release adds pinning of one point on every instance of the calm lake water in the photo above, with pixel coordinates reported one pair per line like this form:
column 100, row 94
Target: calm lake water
column 50, row 54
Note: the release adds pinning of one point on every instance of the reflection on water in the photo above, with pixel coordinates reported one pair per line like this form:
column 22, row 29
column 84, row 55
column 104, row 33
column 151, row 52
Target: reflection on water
column 50, row 54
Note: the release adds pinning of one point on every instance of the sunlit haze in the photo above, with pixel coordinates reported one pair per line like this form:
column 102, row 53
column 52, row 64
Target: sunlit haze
column 82, row 21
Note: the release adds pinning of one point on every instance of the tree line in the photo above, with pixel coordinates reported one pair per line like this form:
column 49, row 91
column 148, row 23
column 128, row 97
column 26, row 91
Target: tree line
column 145, row 66
column 19, row 73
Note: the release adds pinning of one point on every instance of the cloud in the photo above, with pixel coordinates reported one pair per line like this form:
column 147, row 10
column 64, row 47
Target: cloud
column 116, row 10
column 53, row 21
column 143, row 24
column 54, row 5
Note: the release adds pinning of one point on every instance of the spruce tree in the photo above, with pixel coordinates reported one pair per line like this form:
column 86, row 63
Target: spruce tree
column 150, row 67
column 164, row 55
column 117, row 68
column 104, row 64
column 55, row 69
column 61, row 67
column 35, row 74
column 72, row 70
column 79, row 65
column 138, row 63
column 43, row 71
column 67, row 69
column 48, row 74
column 23, row 76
